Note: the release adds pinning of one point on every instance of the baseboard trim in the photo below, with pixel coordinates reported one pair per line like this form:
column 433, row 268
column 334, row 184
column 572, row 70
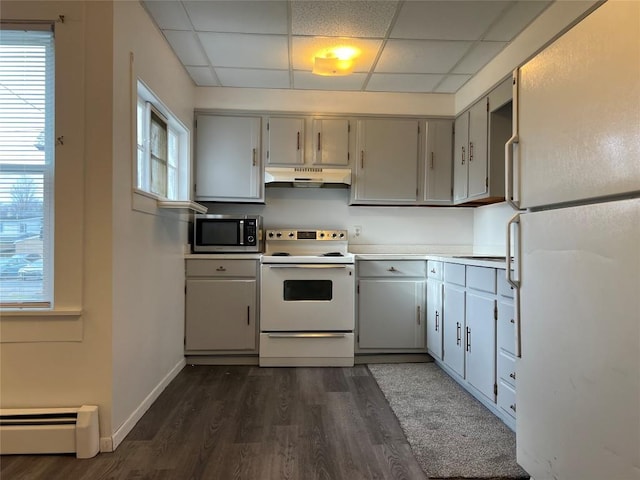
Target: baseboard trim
column 137, row 414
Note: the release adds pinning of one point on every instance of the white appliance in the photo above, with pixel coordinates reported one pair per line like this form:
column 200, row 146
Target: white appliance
column 573, row 169
column 307, row 299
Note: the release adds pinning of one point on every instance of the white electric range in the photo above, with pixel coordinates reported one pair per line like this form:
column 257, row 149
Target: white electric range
column 307, row 299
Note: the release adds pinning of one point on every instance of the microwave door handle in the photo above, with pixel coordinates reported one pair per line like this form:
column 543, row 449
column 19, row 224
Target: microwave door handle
column 241, row 226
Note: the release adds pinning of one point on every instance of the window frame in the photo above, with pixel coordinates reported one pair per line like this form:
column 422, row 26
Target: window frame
column 45, row 301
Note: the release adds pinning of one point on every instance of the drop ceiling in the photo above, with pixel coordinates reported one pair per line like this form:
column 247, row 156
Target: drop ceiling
column 419, row 46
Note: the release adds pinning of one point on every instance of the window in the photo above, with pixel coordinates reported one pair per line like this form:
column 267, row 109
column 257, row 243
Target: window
column 162, row 149
column 26, row 165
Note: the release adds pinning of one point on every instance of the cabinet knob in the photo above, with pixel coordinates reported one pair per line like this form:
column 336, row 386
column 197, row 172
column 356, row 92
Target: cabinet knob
column 392, row 269
column 513, row 375
column 221, row 269
column 433, row 270
column 512, row 407
column 512, row 321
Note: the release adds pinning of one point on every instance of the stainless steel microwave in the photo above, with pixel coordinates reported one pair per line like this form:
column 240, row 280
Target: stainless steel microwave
column 227, row 233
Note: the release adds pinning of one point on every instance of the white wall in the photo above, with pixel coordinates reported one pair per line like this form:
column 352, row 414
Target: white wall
column 148, row 262
column 489, row 228
column 65, row 359
column 384, row 229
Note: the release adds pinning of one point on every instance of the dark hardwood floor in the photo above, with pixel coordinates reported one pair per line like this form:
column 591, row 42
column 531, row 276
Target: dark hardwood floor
column 243, row 422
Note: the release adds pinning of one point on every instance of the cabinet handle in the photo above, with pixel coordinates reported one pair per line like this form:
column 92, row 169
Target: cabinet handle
column 392, row 269
column 254, row 157
column 458, row 332
column 468, row 348
column 463, row 155
column 512, row 321
column 418, row 316
column 298, row 140
column 319, row 142
column 433, row 270
column 470, row 151
column 437, row 324
column 513, row 407
column 221, row 269
column 513, row 375
column 248, row 314
column 432, row 161
column 361, row 158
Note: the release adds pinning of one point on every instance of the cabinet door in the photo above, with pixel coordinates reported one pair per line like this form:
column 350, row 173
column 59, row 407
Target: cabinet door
column 478, row 142
column 454, row 327
column 437, row 163
column 228, row 163
column 220, row 315
column 460, row 158
column 387, row 161
column 480, row 333
column 285, row 141
column 434, row 318
column 331, row 141
column 391, row 314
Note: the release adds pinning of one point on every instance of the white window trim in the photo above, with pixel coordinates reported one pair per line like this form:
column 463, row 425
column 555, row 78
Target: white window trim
column 147, row 201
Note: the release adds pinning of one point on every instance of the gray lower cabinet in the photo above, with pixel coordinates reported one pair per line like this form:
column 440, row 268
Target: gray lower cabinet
column 221, row 303
column 391, row 299
column 454, row 303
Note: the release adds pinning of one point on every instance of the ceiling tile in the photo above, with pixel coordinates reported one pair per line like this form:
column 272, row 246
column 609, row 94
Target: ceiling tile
column 420, row 56
column 452, row 83
column 305, row 48
column 240, row 77
column 446, row 20
column 309, row 81
column 391, row 82
column 246, row 51
column 169, row 14
column 186, row 46
column 203, row 76
column 348, row 18
column 238, row 16
column 516, row 19
column 478, row 56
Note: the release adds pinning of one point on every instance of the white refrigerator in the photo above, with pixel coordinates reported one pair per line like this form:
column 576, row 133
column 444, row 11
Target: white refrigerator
column 573, row 174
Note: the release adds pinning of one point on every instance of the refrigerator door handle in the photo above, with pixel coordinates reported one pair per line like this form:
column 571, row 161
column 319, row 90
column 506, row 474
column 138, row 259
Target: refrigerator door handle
column 515, row 220
column 508, row 148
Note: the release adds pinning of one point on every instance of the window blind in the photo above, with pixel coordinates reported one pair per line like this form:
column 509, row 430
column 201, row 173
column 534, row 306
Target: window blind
column 26, row 165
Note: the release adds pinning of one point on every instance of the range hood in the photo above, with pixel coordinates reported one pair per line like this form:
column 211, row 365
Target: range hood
column 307, row 176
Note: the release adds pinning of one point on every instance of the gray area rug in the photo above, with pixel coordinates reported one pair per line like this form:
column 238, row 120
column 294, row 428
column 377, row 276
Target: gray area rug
column 452, row 434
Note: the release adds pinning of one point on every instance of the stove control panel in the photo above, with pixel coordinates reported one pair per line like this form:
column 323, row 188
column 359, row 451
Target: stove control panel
column 338, row 235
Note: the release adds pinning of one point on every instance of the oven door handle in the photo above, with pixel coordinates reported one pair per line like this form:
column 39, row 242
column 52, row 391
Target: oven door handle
column 306, row 335
column 310, row 265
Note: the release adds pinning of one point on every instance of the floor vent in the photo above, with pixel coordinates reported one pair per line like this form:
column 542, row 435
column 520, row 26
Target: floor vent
column 50, row 430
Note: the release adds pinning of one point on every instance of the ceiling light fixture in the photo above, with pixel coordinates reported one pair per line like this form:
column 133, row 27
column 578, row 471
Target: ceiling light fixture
column 335, row 62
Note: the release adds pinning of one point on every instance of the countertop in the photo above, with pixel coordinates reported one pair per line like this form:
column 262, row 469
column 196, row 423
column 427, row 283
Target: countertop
column 478, row 260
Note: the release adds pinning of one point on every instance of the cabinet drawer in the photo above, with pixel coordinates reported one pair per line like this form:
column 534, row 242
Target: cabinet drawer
column 482, row 278
column 434, row 269
column 454, row 273
column 221, row 268
column 507, row 368
column 392, row 268
column 507, row 398
column 506, row 327
column 504, row 288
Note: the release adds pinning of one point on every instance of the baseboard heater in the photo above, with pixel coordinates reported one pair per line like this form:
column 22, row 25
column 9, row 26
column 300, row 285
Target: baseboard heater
column 50, row 430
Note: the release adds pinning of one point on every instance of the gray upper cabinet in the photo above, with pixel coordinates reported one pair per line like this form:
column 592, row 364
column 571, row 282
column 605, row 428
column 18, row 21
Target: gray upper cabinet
column 331, row 141
column 436, row 166
column 228, row 166
column 386, row 167
column 480, row 135
column 284, row 141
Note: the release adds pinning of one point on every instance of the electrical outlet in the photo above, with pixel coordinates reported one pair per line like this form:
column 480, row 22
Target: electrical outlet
column 357, row 230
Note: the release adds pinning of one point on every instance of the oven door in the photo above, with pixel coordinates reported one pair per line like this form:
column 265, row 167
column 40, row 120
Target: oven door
column 307, row 297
